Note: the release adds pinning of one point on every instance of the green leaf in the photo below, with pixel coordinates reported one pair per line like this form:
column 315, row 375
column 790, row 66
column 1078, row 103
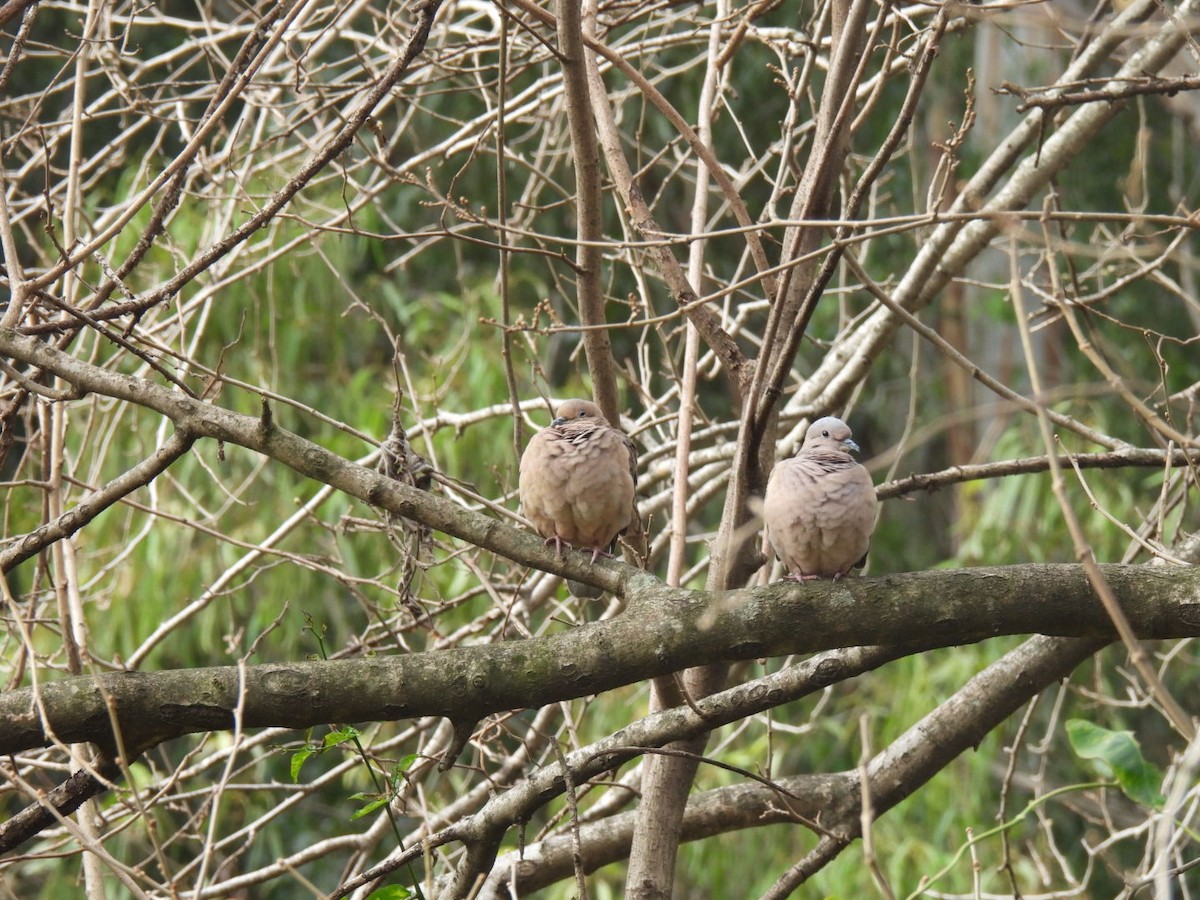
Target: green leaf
column 298, row 759
column 376, row 802
column 1119, row 753
column 391, row 892
column 405, row 762
column 340, row 736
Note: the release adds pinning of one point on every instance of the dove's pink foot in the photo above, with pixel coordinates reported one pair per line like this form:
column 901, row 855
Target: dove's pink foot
column 800, row 578
column 597, row 552
column 558, row 543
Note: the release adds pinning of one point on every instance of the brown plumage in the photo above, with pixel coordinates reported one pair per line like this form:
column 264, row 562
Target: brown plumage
column 819, row 508
column 577, row 480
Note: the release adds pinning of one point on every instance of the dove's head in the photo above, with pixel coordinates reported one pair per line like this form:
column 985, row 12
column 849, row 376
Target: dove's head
column 830, row 433
column 571, row 410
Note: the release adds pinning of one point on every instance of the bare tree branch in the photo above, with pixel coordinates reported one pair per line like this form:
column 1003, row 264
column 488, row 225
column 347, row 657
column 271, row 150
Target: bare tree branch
column 828, row 799
column 666, row 630
column 86, row 510
column 1035, row 98
column 256, row 237
column 1117, row 459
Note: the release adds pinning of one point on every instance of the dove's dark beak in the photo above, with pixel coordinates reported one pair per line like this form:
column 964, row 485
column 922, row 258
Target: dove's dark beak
column 559, row 421
column 849, row 444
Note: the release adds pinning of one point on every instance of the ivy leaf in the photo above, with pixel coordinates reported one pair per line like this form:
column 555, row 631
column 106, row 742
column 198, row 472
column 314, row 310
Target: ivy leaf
column 1119, row 753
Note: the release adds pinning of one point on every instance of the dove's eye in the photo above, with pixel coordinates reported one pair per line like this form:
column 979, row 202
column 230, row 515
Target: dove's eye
column 824, row 434
column 582, row 413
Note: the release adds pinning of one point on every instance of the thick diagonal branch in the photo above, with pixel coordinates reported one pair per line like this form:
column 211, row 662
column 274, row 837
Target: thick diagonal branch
column 895, row 773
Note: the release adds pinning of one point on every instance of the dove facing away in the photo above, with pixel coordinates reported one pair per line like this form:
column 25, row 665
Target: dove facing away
column 819, row 508
column 577, row 480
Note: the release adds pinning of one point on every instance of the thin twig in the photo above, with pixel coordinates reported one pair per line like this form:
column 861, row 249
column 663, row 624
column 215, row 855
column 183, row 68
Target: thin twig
column 867, row 812
column 1083, row 551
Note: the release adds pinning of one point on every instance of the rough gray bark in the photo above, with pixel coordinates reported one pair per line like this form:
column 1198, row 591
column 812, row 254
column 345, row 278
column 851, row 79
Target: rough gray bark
column 664, row 630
